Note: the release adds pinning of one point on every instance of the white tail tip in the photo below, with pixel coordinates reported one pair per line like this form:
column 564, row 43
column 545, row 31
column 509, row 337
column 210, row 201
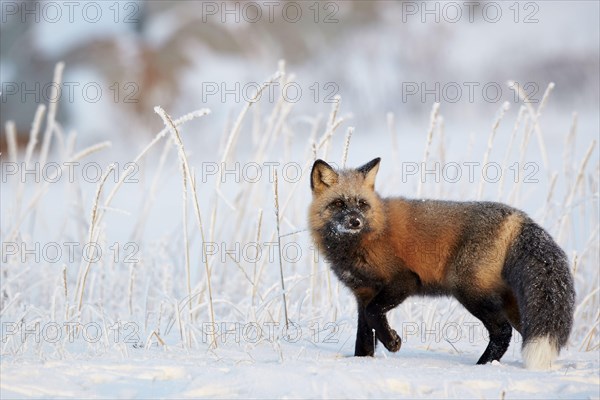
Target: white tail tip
column 538, row 353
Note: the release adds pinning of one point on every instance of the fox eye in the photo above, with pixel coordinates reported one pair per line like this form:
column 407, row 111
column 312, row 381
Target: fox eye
column 339, row 203
column 363, row 204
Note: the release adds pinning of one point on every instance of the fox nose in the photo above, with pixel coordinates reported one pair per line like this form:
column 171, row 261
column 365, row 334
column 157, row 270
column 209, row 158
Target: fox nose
column 354, row 223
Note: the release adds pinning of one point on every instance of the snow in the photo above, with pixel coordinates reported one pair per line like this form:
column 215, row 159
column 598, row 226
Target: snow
column 301, row 370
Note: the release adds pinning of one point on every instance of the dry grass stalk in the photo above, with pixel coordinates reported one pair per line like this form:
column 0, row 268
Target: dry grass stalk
column 255, row 278
column 277, row 218
column 347, row 145
column 571, row 195
column 11, row 140
column 550, row 195
column 490, row 143
column 51, row 116
column 43, row 188
column 232, row 138
column 238, row 122
column 130, row 289
column 91, row 239
column 332, row 125
column 513, row 136
column 569, row 149
column 432, row 121
column 66, row 291
column 537, row 128
column 98, row 214
column 184, row 160
column 33, row 133
column 535, row 114
column 442, row 145
column 180, row 121
column 513, row 197
column 186, row 241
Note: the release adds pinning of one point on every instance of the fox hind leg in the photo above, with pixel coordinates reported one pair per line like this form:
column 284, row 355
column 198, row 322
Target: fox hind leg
column 511, row 311
column 491, row 314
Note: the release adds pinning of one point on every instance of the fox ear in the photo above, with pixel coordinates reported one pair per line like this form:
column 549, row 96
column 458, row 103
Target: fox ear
column 322, row 176
column 369, row 170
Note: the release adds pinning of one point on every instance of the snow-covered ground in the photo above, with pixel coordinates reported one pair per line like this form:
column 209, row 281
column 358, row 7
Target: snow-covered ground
column 300, row 370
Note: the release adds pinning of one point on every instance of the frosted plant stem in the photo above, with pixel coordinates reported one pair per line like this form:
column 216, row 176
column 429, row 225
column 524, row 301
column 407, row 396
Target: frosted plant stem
column 51, row 116
column 513, row 198
column 331, row 123
column 66, row 291
column 549, row 197
column 490, row 144
column 187, row 117
column 255, row 279
column 186, row 241
column 171, row 125
column 513, row 136
column 347, row 145
column 231, row 139
column 91, row 239
column 276, row 195
column 569, row 148
column 11, row 140
column 33, row 135
column 128, row 171
column 535, row 114
column 238, row 122
column 571, row 195
column 42, row 188
column 432, row 120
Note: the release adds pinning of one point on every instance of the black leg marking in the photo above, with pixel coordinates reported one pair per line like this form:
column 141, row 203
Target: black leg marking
column 500, row 331
column 376, row 319
column 364, row 336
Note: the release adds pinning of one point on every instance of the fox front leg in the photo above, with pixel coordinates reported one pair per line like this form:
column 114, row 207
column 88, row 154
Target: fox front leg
column 378, row 322
column 365, row 343
column 375, row 316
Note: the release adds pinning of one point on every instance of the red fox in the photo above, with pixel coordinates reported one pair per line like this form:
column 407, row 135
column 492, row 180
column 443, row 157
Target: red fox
column 494, row 259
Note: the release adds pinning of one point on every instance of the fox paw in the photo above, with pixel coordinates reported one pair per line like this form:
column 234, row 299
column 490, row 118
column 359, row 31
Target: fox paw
column 394, row 343
column 364, row 352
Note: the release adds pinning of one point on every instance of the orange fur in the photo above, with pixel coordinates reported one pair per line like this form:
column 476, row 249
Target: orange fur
column 420, row 240
column 489, row 274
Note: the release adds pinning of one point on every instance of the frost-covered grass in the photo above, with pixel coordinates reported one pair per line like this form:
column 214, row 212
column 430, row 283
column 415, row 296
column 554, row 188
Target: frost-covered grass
column 187, row 299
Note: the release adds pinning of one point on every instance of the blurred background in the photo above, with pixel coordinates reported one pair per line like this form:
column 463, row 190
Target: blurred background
column 123, row 58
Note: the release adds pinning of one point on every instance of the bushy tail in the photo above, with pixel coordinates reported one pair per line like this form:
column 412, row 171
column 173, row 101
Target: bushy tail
column 537, row 270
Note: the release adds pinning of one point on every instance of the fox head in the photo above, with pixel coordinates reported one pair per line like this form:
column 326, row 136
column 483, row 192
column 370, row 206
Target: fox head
column 345, row 203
